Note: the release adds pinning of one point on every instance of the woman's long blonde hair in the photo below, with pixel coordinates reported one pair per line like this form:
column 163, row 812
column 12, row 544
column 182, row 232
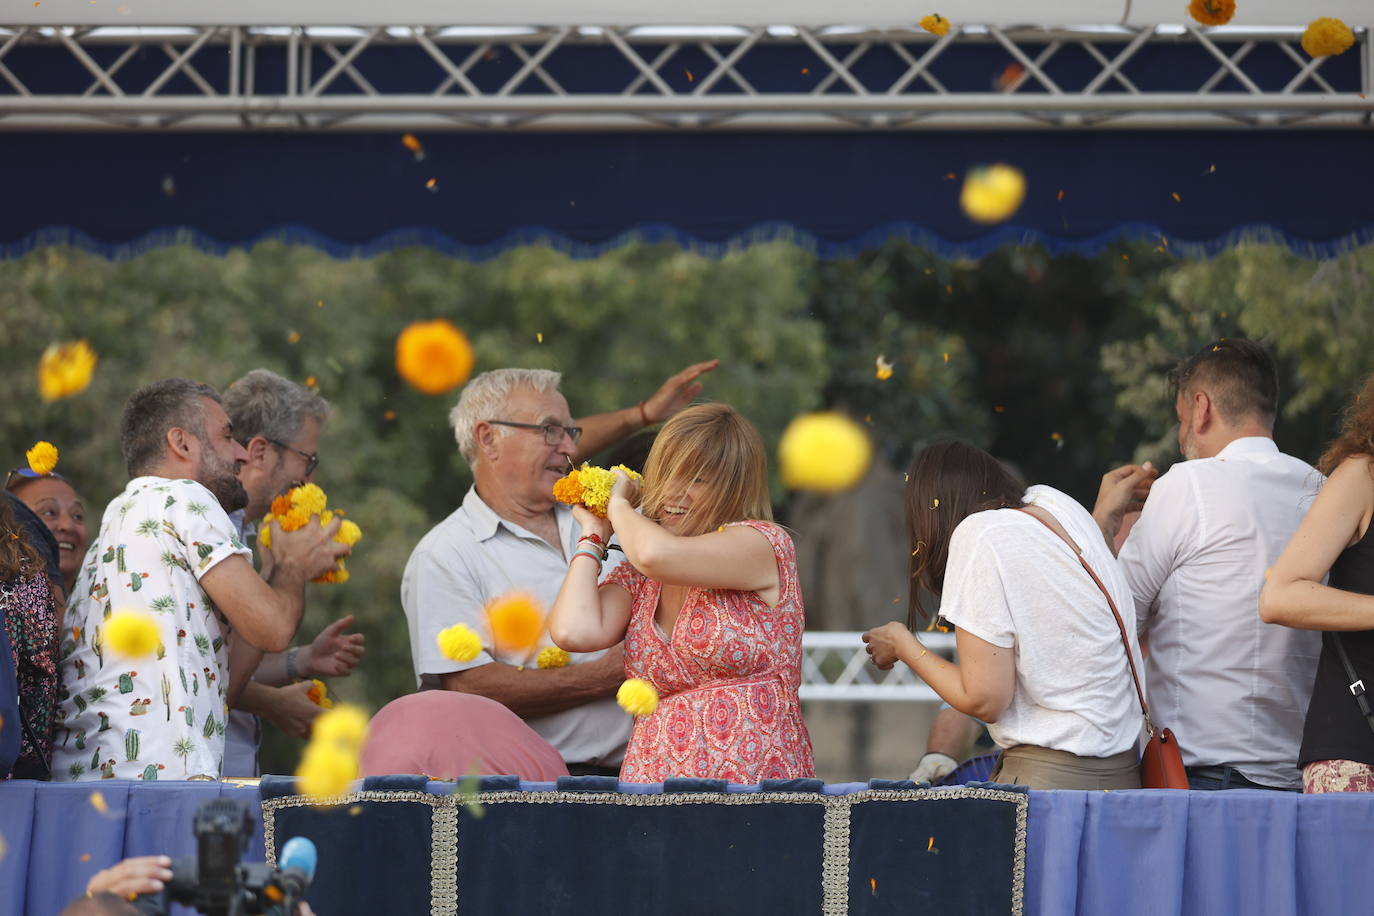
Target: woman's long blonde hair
column 714, row 443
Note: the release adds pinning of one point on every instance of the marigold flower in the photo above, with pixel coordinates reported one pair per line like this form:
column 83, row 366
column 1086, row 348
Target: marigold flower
column 282, row 504
column 1212, row 12
column 344, row 725
column 935, row 24
column 552, row 657
column 882, row 369
column 826, row 452
column 591, row 486
column 516, row 621
column 1326, row 36
column 42, row 457
column 637, row 697
column 459, row 643
column 309, row 498
column 349, row 532
column 319, row 694
column 992, row 193
column 131, row 633
column 65, row 369
column 326, row 769
column 433, row 356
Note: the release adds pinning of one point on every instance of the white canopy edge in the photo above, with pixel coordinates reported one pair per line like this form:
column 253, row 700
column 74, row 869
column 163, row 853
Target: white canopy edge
column 878, row 14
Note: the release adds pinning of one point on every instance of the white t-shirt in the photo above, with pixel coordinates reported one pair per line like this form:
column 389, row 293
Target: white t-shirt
column 1013, row 582
column 474, row 556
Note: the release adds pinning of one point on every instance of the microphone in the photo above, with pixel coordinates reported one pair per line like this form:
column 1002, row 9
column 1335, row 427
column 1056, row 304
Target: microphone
column 297, row 867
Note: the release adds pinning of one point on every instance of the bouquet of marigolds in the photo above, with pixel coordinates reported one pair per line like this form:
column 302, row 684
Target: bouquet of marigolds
column 590, row 486
column 295, row 508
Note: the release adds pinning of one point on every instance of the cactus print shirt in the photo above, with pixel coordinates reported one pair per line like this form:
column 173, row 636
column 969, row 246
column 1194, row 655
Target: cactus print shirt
column 161, row 716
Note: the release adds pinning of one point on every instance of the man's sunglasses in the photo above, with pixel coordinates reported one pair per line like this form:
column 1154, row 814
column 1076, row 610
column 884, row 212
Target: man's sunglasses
column 311, row 461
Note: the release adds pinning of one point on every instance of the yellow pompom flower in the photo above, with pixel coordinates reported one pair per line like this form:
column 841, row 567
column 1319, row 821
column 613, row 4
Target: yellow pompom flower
column 935, row 24
column 826, row 452
column 309, row 498
column 319, row 694
column 433, row 356
column 992, row 193
column 637, row 697
column 349, row 533
column 65, row 369
column 1212, row 12
column 552, row 657
column 42, row 457
column 516, row 621
column 459, row 643
column 343, row 725
column 1326, row 37
column 131, row 633
column 882, row 369
column 326, row 769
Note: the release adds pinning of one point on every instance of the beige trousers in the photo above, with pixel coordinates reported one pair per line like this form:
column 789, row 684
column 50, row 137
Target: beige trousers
column 1045, row 768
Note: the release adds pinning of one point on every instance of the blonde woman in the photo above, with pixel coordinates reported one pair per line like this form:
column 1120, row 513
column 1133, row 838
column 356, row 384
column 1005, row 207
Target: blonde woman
column 1337, row 752
column 708, row 606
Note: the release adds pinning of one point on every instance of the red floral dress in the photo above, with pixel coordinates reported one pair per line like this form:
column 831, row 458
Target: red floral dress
column 727, row 679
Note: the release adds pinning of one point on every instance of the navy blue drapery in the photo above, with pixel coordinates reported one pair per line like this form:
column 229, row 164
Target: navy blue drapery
column 120, row 194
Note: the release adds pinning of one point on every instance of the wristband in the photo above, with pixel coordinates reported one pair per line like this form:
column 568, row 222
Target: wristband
column 582, row 552
column 593, row 537
column 292, row 673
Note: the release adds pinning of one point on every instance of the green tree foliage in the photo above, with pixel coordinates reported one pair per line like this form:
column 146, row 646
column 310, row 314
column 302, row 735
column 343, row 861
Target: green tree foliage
column 1317, row 317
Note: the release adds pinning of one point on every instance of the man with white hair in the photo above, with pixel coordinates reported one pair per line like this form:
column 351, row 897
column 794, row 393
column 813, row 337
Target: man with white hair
column 517, row 434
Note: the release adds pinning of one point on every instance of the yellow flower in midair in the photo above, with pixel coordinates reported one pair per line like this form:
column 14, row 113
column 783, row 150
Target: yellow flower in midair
column 131, row 633
column 65, row 369
column 345, row 725
column 637, row 697
column 459, row 643
column 1326, row 37
column 42, row 457
column 935, row 24
column 826, row 452
column 552, row 657
column 433, row 356
column 1212, row 12
column 883, row 369
column 326, row 770
column 992, row 193
column 516, row 621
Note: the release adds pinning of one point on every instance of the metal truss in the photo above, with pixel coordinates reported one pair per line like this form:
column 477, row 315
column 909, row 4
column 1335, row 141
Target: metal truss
column 835, row 667
column 593, row 78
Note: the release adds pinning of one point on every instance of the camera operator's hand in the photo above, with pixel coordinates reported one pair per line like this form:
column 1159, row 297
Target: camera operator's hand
column 303, row 909
column 143, row 875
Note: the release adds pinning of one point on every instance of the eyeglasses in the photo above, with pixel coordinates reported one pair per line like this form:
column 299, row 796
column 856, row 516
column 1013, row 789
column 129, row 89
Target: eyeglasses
column 553, row 432
column 311, row 461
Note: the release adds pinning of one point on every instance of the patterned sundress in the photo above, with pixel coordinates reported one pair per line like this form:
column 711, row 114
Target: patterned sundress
column 31, row 622
column 727, row 679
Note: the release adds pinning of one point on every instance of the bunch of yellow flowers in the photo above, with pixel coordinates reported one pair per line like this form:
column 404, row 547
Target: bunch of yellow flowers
column 330, row 761
column 294, row 509
column 590, row 486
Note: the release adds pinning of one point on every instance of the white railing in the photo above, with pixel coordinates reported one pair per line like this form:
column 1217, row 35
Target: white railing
column 836, row 667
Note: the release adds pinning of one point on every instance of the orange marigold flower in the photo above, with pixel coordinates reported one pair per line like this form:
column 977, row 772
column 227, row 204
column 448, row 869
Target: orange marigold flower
column 65, row 369
column 1212, row 12
column 433, row 356
column 568, row 489
column 1326, row 36
column 516, row 621
column 935, row 24
column 282, row 504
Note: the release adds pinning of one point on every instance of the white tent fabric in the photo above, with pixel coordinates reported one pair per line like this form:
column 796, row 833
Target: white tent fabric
column 870, row 13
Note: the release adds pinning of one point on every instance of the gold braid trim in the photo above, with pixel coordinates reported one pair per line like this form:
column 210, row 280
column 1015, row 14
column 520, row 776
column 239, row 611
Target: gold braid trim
column 834, row 855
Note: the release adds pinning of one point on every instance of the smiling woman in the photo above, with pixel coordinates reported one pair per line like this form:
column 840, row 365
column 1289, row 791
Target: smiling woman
column 54, row 500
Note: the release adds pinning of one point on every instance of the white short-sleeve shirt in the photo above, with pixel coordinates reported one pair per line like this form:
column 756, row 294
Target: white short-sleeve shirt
column 473, row 557
column 1013, row 582
column 163, row 716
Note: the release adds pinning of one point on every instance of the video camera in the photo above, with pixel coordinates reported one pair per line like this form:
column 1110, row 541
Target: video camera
column 216, row 883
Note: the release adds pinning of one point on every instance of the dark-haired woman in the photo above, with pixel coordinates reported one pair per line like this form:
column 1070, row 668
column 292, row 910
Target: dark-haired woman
column 31, row 620
column 1337, row 753
column 1041, row 657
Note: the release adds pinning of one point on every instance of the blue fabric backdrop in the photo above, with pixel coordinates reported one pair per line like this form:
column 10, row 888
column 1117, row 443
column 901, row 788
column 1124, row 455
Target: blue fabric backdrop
column 1121, row 853
column 120, row 194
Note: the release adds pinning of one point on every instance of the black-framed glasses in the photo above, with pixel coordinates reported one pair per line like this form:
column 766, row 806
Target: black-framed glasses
column 553, row 432
column 311, row 461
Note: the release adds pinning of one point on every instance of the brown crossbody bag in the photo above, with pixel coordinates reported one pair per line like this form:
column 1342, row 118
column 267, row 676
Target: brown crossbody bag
column 1161, row 765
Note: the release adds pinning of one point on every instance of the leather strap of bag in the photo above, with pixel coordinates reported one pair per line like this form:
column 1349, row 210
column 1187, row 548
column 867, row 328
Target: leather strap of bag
column 1120, row 624
column 1356, row 684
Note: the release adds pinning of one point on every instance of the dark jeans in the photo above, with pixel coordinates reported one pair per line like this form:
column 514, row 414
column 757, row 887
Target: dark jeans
column 1208, row 779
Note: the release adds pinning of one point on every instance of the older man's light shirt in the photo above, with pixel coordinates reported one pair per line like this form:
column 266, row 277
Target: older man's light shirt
column 1233, row 688
column 474, row 556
